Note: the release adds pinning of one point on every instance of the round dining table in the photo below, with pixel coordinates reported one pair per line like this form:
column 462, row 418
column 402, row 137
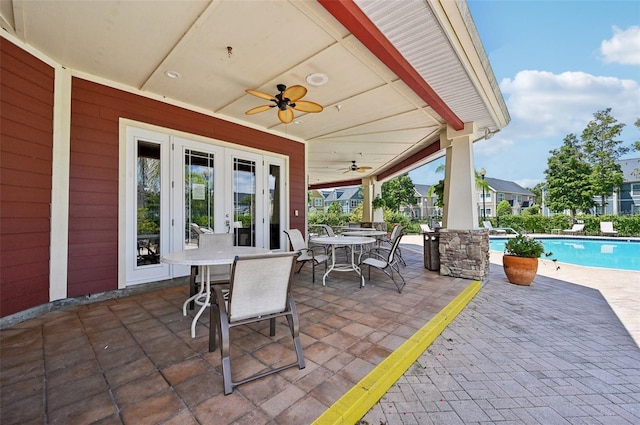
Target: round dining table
column 205, row 258
column 351, row 241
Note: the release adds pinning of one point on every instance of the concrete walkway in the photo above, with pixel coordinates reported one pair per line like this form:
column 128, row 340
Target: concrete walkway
column 558, row 352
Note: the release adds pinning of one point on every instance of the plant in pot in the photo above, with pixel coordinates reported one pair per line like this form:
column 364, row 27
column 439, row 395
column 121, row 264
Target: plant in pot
column 520, row 261
column 378, row 202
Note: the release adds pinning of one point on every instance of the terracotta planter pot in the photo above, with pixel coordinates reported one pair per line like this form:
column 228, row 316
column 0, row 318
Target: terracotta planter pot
column 520, row 270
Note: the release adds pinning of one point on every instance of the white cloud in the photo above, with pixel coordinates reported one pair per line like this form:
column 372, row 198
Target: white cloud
column 495, row 145
column 528, row 183
column 623, row 47
column 547, row 105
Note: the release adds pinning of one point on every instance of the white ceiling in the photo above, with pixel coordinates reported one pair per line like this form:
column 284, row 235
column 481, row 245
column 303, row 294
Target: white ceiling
column 370, row 114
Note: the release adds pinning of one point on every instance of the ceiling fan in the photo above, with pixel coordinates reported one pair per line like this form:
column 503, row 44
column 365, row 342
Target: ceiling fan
column 354, row 167
column 287, row 100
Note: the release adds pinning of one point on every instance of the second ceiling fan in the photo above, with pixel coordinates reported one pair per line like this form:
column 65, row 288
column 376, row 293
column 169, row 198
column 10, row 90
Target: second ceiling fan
column 286, row 101
column 354, row 168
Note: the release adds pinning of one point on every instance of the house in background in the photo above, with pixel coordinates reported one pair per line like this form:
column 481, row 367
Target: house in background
column 424, row 208
column 503, row 190
column 626, row 200
column 316, row 201
column 348, row 197
column 518, row 197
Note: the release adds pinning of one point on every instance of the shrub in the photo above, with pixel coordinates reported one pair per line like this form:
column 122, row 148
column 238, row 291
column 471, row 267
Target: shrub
column 525, row 246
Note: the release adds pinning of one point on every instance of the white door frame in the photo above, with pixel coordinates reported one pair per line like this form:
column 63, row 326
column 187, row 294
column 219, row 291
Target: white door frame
column 172, row 148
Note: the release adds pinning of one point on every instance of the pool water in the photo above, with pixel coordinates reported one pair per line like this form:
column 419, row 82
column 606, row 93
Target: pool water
column 608, row 254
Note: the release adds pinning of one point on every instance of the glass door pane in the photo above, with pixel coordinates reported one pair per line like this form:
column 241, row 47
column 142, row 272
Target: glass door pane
column 148, row 203
column 274, row 205
column 244, row 201
column 199, row 194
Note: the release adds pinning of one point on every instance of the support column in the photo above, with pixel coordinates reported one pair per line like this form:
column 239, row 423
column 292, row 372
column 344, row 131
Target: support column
column 371, row 189
column 460, row 211
column 463, row 247
column 367, row 196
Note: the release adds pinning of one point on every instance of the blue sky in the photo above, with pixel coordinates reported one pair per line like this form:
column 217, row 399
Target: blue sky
column 557, row 63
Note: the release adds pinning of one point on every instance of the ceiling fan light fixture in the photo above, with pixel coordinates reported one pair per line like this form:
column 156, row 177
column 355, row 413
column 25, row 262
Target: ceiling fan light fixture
column 317, row 79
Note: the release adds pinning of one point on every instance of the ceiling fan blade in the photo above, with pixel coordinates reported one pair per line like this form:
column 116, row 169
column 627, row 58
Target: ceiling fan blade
column 285, row 116
column 258, row 109
column 294, row 93
column 262, row 95
column 305, row 106
column 348, row 171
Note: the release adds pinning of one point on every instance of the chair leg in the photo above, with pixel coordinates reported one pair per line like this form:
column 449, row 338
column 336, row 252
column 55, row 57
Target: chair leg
column 272, row 326
column 224, row 351
column 397, row 271
column 226, row 375
column 300, row 268
column 313, row 271
column 294, row 325
column 214, row 327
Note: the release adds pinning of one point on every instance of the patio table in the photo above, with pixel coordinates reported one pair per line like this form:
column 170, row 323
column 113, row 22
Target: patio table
column 340, row 241
column 204, row 258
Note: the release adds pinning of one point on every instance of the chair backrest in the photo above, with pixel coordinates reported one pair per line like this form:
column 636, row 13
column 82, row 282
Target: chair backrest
column 329, row 230
column 606, row 226
column 394, row 246
column 215, row 240
column 487, row 225
column 260, row 285
column 424, row 228
column 396, row 232
column 200, row 230
column 297, row 240
column 578, row 227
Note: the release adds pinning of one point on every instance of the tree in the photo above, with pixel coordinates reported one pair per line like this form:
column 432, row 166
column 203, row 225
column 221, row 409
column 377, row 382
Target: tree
column 503, row 208
column 335, row 208
column 636, row 144
column 567, row 174
column 398, row 191
column 438, row 188
column 537, row 191
column 602, row 151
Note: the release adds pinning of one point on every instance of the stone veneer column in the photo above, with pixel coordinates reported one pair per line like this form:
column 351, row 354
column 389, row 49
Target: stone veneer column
column 464, row 253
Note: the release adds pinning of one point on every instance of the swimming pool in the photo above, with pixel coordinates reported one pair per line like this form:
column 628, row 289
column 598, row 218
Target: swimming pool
column 605, row 253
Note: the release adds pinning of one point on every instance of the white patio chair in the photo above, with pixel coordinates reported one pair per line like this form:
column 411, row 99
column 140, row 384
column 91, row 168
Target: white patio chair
column 575, row 229
column 424, row 228
column 487, row 224
column 307, row 254
column 386, row 244
column 606, row 229
column 260, row 289
column 329, row 231
column 387, row 264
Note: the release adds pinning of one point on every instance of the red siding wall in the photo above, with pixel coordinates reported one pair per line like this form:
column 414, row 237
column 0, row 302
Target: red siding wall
column 26, row 146
column 93, row 229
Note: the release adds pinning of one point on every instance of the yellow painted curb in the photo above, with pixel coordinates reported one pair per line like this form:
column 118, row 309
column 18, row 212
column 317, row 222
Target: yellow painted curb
column 356, row 402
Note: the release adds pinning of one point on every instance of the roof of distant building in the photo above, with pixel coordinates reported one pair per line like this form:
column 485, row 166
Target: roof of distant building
column 630, row 169
column 507, row 186
column 422, row 189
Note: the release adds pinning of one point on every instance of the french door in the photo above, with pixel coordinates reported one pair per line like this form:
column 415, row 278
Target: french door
column 175, row 185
